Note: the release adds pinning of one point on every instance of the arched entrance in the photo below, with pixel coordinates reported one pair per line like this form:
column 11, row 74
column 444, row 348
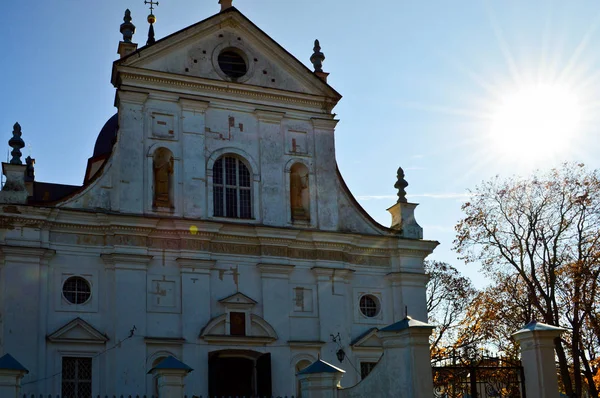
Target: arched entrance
column 239, row 373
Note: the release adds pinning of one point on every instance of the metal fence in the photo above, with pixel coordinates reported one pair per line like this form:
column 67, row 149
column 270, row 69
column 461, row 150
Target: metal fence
column 143, row 396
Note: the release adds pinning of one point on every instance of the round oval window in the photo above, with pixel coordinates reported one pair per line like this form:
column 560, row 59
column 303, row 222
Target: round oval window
column 76, row 290
column 232, row 64
column 369, row 306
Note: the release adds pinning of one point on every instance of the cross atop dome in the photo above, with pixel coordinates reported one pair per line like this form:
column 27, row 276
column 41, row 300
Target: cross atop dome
column 151, row 21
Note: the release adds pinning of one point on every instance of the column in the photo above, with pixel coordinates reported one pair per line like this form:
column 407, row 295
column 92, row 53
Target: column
column 130, row 170
column 271, row 150
column 194, row 160
column 327, row 212
column 406, row 359
column 11, row 373
column 333, row 299
column 128, row 309
column 26, row 304
column 195, row 312
column 276, row 308
column 537, row 356
column 397, row 302
column 320, row 380
column 170, row 374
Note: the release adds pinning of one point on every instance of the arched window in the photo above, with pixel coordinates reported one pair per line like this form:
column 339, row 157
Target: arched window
column 232, row 190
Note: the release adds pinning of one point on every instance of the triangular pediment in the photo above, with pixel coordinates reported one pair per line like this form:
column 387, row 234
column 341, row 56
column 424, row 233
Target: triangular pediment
column 193, row 53
column 368, row 339
column 78, row 331
column 237, row 299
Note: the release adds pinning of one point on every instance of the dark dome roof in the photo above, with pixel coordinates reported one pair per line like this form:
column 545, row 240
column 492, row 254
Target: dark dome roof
column 107, row 137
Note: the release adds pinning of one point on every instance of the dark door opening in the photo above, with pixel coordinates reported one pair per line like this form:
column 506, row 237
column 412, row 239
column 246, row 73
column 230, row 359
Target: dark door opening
column 239, row 373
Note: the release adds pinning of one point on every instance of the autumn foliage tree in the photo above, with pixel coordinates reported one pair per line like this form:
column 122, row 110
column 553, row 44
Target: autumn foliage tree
column 542, row 235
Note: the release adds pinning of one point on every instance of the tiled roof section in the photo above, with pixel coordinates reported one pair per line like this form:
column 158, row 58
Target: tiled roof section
column 50, row 192
column 7, row 362
column 406, row 323
column 320, row 366
column 171, row 363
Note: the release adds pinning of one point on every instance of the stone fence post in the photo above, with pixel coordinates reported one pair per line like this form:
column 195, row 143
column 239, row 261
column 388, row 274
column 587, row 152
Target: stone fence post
column 11, row 373
column 537, row 356
column 170, row 373
column 320, row 380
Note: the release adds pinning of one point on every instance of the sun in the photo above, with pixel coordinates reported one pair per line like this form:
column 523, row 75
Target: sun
column 535, row 123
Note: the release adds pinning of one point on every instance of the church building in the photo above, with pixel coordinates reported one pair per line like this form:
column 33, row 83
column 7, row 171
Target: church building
column 213, row 226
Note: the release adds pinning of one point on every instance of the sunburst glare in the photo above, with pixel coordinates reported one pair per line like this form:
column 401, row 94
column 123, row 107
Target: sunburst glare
column 534, row 123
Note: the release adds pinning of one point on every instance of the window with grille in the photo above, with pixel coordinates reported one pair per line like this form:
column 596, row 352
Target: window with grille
column 77, row 290
column 231, row 188
column 366, row 368
column 76, row 377
column 369, row 305
column 232, row 63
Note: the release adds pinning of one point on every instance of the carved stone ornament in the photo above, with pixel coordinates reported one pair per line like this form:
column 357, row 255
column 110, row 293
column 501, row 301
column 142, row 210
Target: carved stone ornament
column 318, row 57
column 16, row 143
column 401, row 185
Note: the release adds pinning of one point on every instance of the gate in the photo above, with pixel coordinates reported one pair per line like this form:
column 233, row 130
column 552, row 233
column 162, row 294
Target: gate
column 477, row 376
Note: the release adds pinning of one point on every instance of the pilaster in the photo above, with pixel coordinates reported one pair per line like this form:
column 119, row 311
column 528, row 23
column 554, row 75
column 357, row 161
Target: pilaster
column 130, row 155
column 327, row 201
column 126, row 281
column 273, row 197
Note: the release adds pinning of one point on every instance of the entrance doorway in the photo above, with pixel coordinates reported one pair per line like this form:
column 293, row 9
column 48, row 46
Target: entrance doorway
column 239, row 373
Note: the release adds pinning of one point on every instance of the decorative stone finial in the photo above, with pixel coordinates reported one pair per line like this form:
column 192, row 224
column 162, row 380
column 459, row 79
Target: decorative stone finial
column 318, row 57
column 225, row 4
column 400, row 185
column 16, row 143
column 127, row 28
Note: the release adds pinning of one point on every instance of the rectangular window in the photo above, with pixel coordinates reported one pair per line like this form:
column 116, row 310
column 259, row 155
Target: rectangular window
column 366, row 368
column 76, row 377
column 237, row 323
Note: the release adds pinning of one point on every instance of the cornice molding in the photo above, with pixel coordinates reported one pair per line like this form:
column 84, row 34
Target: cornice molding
column 197, row 84
column 26, row 254
column 275, row 270
column 269, row 116
column 324, row 124
column 125, row 261
column 193, row 105
column 132, row 97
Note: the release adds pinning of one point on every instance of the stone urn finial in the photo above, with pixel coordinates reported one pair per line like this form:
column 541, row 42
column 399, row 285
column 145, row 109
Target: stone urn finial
column 127, row 28
column 318, row 57
column 16, row 143
column 401, row 185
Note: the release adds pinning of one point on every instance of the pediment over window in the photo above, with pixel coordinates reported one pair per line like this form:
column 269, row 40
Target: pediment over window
column 238, row 300
column 259, row 331
column 78, row 331
column 367, row 340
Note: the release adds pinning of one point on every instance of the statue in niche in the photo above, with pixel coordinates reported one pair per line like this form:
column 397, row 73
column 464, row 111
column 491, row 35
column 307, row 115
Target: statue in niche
column 163, row 178
column 299, row 194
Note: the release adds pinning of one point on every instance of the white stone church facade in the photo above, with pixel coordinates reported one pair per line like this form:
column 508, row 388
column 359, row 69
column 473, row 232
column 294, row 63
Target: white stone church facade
column 213, row 226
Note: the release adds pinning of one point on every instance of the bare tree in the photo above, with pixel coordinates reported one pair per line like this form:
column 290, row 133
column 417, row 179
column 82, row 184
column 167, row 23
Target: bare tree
column 544, row 231
column 448, row 296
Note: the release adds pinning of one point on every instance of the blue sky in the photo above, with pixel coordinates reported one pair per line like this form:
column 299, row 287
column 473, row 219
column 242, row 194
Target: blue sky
column 420, row 82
